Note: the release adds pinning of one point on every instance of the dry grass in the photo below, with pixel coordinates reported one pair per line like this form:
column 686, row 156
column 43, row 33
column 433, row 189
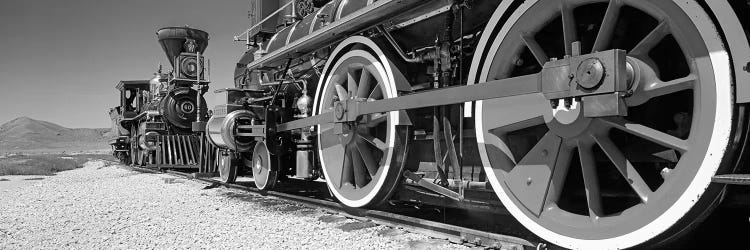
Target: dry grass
column 45, row 164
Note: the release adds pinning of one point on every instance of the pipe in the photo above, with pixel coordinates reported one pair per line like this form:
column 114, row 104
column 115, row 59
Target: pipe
column 198, row 83
column 395, row 45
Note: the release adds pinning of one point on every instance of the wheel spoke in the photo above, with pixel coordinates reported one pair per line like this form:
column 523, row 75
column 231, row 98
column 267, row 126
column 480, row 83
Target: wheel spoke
column 376, row 93
column 604, row 36
column 360, row 173
column 590, row 179
column 652, row 39
column 560, row 172
column 659, row 88
column 341, row 92
column 367, row 157
column 377, row 143
column 347, row 173
column 569, row 27
column 333, row 151
column 364, row 84
column 530, row 179
column 376, row 119
column 328, row 138
column 351, row 82
column 516, row 112
column 624, row 166
column 650, row 86
column 536, row 50
column 647, row 133
column 502, row 131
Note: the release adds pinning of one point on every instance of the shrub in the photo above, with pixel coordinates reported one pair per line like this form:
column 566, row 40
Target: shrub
column 44, row 164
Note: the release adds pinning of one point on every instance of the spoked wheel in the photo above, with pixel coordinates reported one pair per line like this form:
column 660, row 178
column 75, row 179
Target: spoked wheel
column 264, row 167
column 363, row 161
column 617, row 181
column 227, row 167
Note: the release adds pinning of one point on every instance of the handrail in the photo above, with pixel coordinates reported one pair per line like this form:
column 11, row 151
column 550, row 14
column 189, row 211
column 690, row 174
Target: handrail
column 247, row 32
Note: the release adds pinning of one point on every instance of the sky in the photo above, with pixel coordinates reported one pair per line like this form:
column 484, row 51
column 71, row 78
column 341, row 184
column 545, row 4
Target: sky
column 61, row 59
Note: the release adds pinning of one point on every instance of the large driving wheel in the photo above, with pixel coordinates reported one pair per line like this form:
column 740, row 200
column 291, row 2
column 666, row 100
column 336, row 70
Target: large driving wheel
column 616, row 181
column 362, row 163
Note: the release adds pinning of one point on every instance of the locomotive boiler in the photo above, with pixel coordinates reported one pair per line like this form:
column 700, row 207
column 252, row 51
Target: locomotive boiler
column 595, row 123
column 162, row 119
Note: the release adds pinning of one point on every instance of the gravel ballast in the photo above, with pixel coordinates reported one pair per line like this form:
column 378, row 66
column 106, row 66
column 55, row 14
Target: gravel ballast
column 110, row 206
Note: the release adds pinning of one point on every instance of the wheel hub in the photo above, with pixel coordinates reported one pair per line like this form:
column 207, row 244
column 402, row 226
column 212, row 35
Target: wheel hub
column 583, row 87
column 567, row 120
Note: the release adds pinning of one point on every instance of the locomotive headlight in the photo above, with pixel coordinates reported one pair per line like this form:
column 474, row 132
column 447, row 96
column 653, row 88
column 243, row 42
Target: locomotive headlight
column 189, row 66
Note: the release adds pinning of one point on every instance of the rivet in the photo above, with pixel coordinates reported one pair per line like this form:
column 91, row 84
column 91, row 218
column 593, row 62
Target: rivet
column 528, row 181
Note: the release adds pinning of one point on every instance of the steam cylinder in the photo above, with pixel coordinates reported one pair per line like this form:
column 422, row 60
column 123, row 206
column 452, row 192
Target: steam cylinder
column 223, row 131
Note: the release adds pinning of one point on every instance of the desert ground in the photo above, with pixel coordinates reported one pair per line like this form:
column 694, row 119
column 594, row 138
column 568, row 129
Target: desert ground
column 106, row 205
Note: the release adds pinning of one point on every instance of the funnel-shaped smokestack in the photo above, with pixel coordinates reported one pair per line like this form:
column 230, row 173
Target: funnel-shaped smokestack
column 172, row 40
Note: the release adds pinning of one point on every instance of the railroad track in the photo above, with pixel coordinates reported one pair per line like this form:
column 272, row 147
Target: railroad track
column 452, row 233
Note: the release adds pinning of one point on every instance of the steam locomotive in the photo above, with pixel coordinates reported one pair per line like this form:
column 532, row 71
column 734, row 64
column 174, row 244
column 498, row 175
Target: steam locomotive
column 160, row 121
column 595, row 123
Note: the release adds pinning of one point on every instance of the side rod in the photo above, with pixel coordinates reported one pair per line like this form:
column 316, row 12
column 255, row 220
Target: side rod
column 521, row 85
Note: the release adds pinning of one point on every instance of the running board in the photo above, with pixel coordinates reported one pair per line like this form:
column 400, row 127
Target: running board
column 733, row 179
column 432, row 186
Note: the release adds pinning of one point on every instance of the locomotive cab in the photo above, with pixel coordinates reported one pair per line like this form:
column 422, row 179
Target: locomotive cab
column 132, row 97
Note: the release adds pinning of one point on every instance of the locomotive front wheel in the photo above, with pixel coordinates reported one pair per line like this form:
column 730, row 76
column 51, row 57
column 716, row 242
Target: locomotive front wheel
column 640, row 178
column 363, row 160
column 264, row 168
column 227, row 167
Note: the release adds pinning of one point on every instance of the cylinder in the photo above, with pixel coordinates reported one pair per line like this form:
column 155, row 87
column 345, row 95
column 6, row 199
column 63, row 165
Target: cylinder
column 223, row 132
column 304, row 162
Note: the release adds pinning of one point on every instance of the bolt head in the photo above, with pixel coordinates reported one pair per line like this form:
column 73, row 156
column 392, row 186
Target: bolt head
column 339, row 110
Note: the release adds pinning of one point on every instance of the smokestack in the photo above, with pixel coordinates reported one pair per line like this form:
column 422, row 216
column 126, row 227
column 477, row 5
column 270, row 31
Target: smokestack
column 172, row 40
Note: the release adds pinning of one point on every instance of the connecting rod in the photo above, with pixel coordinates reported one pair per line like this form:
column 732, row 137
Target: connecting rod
column 600, row 79
column 453, row 95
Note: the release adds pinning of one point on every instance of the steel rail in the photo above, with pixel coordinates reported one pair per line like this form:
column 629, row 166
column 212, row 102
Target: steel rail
column 452, row 233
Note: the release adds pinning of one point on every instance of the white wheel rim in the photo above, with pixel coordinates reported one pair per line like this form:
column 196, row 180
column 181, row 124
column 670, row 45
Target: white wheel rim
column 722, row 76
column 384, row 69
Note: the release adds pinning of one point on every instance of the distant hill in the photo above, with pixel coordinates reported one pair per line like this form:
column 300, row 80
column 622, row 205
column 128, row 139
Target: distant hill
column 26, row 134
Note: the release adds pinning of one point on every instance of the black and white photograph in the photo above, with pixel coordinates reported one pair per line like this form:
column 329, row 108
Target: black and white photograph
column 374, row 124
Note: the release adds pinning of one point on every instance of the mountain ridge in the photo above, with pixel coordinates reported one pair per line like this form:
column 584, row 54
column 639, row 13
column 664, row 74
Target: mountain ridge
column 28, row 134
